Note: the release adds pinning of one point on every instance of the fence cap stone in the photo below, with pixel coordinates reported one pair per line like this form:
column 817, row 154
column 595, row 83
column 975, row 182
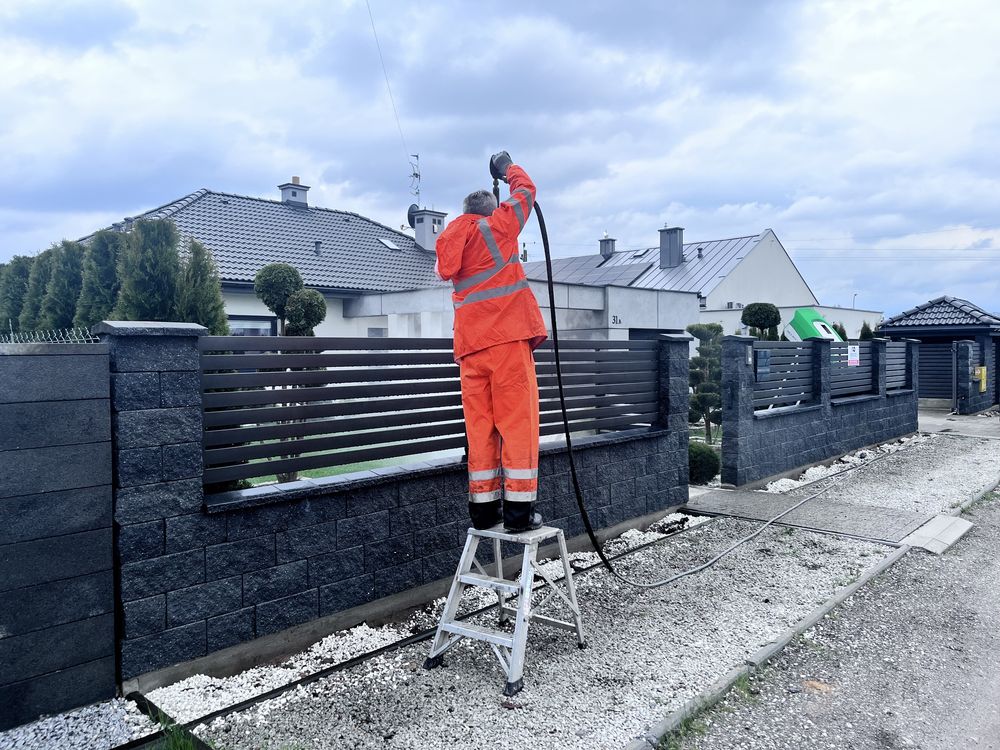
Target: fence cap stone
column 734, row 337
column 675, row 337
column 147, row 328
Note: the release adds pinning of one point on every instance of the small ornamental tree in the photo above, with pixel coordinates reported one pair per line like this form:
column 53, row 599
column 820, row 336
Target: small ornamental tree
column 199, row 297
column 273, row 285
column 762, row 316
column 13, row 288
column 705, row 376
column 99, row 290
column 148, row 269
column 866, row 332
column 38, row 280
column 305, row 309
column 839, row 328
column 63, row 289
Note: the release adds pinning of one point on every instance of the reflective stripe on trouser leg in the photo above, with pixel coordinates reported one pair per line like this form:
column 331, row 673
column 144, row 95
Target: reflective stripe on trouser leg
column 484, row 442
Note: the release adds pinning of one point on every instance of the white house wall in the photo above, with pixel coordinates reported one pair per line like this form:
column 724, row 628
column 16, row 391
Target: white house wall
column 241, row 303
column 852, row 319
column 766, row 274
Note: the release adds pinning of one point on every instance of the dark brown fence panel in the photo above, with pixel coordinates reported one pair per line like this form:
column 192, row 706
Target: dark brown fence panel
column 851, row 380
column 283, row 404
column 896, row 374
column 784, row 373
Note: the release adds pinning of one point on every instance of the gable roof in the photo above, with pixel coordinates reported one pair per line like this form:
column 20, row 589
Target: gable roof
column 245, row 234
column 943, row 311
column 640, row 269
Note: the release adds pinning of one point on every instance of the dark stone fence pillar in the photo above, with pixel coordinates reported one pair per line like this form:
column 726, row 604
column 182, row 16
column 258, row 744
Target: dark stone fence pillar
column 161, row 529
column 737, row 406
column 969, row 355
column 57, row 630
column 879, row 372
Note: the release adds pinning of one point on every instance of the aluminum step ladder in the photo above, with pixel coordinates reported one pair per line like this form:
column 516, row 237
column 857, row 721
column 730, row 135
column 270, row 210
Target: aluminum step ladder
column 508, row 647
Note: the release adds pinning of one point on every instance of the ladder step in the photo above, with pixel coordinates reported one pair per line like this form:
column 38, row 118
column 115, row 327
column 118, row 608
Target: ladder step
column 479, row 633
column 498, row 584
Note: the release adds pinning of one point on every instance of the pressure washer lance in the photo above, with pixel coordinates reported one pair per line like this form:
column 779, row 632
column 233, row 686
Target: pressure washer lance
column 569, row 441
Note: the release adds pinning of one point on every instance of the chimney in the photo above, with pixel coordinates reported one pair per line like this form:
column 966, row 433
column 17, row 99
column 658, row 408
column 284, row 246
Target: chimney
column 671, row 246
column 607, row 246
column 427, row 225
column 294, row 193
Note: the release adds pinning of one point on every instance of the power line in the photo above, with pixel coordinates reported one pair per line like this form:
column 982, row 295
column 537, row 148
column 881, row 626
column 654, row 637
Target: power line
column 883, row 236
column 395, row 112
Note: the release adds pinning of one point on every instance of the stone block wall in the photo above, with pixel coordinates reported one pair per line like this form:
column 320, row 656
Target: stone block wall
column 761, row 444
column 981, row 351
column 57, row 631
column 199, row 574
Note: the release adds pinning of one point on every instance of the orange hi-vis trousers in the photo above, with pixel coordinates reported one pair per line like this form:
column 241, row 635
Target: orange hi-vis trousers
column 500, row 401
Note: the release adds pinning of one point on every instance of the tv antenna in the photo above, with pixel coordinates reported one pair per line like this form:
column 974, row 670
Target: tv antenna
column 415, row 176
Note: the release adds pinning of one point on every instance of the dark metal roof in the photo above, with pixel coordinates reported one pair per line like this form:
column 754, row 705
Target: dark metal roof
column 943, row 312
column 245, row 234
column 718, row 259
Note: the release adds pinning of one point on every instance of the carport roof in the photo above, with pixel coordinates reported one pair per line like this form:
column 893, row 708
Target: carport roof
column 943, row 312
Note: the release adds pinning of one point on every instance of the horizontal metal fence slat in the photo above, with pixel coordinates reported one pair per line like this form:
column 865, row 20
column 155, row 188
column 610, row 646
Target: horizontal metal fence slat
column 781, row 400
column 254, row 433
column 243, row 471
column 299, row 343
column 312, row 411
column 782, row 345
column 353, row 359
column 765, row 396
column 210, row 381
column 322, row 343
column 789, row 379
column 327, row 393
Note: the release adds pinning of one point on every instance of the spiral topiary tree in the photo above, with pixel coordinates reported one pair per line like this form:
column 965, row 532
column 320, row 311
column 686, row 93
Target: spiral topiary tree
column 705, row 376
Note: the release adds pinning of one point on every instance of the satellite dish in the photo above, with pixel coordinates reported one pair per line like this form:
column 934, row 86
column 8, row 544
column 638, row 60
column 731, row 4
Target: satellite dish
column 411, row 213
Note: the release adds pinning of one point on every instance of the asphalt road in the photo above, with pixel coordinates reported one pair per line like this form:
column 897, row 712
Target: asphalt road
column 910, row 661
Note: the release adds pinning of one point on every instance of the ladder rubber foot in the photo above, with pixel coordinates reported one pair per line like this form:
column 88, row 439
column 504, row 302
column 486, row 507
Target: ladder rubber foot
column 513, row 688
column 431, row 662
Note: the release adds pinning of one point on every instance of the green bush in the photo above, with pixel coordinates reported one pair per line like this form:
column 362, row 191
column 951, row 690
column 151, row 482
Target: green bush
column 703, row 463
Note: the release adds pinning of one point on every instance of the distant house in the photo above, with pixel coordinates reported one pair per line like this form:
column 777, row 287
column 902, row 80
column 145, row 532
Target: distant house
column 343, row 255
column 726, row 275
column 938, row 324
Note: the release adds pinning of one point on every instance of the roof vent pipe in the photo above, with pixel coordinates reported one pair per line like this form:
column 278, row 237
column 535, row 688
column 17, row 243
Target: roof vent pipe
column 699, row 253
column 671, row 246
column 607, row 246
column 318, row 246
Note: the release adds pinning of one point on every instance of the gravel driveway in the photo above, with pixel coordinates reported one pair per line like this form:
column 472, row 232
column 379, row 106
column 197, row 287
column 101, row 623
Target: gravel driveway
column 910, row 661
column 648, row 652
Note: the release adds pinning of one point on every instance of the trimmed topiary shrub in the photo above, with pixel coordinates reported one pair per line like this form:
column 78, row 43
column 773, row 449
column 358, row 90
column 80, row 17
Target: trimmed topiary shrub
column 703, row 463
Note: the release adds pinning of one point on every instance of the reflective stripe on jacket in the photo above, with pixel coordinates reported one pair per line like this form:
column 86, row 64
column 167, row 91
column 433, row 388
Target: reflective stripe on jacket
column 479, row 255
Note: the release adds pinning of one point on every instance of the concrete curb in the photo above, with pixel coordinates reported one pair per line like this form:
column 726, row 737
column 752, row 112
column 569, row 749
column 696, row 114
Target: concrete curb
column 957, row 511
column 715, row 692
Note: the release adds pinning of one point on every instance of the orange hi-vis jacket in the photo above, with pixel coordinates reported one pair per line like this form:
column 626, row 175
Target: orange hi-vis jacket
column 479, row 255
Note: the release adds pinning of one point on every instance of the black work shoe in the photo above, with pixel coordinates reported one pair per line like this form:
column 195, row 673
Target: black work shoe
column 534, row 521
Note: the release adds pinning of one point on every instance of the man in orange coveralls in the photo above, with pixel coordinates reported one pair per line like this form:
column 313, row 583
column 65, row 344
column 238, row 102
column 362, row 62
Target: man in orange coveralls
column 497, row 326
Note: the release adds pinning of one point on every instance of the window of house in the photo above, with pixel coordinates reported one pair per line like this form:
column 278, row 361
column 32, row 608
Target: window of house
column 253, row 325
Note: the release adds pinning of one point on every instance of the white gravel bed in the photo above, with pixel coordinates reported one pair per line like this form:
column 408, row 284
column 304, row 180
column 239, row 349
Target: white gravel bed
column 850, row 461
column 200, row 695
column 96, row 727
column 648, row 652
column 933, row 475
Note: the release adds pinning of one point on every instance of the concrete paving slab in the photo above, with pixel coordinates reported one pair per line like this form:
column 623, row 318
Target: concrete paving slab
column 886, row 525
column 939, row 534
column 986, row 424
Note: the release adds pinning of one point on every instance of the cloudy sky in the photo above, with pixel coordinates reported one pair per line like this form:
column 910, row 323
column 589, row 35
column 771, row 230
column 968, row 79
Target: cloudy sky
column 866, row 134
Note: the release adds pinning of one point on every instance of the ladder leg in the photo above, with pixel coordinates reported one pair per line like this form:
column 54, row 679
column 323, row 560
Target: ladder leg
column 442, row 640
column 571, row 589
column 515, row 676
column 498, row 557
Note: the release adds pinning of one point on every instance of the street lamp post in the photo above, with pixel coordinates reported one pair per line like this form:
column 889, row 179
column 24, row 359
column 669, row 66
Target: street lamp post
column 853, row 306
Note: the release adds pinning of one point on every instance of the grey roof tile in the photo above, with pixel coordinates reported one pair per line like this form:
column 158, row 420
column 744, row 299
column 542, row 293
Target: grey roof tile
column 640, row 269
column 245, row 234
column 943, row 311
